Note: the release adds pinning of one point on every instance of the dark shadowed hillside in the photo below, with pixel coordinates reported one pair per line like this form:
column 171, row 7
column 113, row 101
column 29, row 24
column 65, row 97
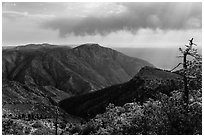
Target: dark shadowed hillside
column 148, row 83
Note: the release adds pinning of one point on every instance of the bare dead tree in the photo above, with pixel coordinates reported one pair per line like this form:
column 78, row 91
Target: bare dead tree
column 189, row 50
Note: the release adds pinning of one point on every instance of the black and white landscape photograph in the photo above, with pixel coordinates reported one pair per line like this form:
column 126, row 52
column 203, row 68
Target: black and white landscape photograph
column 102, row 68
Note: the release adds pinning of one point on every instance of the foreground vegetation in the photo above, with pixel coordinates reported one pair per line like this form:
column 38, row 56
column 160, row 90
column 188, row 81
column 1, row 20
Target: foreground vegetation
column 165, row 116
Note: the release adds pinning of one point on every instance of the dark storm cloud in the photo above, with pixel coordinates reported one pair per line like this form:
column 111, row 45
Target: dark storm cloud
column 166, row 16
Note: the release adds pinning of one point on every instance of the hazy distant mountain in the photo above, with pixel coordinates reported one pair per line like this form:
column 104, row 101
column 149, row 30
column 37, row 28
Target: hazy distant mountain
column 148, row 83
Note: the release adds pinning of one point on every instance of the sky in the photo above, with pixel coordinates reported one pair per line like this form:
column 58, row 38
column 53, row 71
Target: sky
column 131, row 24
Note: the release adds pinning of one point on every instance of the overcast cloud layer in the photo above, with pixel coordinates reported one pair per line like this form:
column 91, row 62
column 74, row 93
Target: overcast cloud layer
column 109, row 24
column 134, row 16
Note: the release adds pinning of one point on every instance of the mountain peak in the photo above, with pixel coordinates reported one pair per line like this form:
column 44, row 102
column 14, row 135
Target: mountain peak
column 88, row 45
column 91, row 45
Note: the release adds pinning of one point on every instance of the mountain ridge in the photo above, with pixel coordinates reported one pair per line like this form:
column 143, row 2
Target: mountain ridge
column 140, row 88
column 83, row 64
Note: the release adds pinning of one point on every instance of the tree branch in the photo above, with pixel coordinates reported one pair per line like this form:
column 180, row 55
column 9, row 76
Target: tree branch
column 176, row 66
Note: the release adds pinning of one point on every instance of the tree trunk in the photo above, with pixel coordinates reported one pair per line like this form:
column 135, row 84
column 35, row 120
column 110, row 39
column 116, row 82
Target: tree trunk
column 185, row 80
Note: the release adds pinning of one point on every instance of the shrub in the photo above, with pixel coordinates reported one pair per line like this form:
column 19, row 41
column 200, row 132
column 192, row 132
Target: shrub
column 165, row 116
